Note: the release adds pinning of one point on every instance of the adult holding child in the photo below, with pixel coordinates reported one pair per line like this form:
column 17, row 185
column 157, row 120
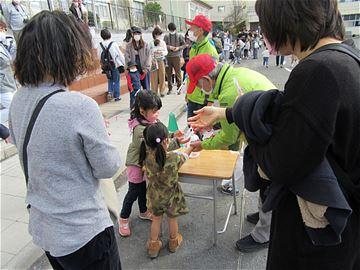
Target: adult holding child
column 318, row 119
column 68, row 150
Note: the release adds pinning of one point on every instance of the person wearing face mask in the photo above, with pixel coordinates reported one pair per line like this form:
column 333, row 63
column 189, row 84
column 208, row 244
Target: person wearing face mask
column 318, row 119
column 138, row 51
column 198, row 33
column 175, row 44
column 133, row 78
column 7, row 81
column 16, row 16
column 158, row 52
column 76, row 10
column 225, row 83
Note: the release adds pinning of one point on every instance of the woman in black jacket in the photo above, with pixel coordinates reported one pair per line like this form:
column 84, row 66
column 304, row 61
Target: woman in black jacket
column 319, row 118
column 186, row 52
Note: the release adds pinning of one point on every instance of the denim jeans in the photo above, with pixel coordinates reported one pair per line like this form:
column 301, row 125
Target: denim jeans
column 132, row 97
column 145, row 83
column 114, row 83
column 266, row 61
column 255, row 53
column 280, row 60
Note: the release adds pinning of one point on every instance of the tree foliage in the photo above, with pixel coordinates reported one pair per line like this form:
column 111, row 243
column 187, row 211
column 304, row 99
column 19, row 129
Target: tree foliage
column 236, row 19
column 153, row 11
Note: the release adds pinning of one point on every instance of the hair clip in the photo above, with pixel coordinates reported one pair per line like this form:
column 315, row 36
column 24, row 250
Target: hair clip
column 158, row 140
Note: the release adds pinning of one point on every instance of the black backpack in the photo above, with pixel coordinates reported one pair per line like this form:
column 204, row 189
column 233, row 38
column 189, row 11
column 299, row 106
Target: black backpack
column 218, row 45
column 107, row 63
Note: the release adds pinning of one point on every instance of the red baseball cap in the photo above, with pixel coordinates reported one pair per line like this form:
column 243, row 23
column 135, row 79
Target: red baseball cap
column 201, row 21
column 198, row 67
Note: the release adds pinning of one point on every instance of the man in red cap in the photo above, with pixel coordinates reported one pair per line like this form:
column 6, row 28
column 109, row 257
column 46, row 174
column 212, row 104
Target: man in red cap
column 224, row 83
column 198, row 33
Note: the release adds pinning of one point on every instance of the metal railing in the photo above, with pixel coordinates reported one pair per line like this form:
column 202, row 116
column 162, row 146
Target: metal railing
column 119, row 17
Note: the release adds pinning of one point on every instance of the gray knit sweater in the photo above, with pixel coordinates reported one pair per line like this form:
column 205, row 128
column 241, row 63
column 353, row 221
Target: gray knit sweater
column 68, row 152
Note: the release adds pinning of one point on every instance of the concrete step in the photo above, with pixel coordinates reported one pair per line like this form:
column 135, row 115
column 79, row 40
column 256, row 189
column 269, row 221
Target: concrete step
column 94, row 85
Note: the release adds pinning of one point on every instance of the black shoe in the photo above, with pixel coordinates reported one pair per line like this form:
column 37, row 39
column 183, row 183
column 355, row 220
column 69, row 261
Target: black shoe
column 228, row 190
column 169, row 93
column 253, row 218
column 117, row 99
column 162, row 95
column 248, row 244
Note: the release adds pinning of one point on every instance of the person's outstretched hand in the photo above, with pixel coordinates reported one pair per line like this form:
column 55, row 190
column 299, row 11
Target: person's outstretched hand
column 206, row 117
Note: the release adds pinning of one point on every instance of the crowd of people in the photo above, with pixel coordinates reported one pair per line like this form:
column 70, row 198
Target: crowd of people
column 301, row 145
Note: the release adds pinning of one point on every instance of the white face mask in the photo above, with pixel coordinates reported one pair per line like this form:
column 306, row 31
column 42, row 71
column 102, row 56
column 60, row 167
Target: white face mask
column 172, row 32
column 159, row 37
column 133, row 69
column 191, row 36
column 204, row 91
column 137, row 37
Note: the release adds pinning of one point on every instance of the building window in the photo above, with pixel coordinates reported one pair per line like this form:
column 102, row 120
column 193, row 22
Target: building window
column 221, row 8
column 351, row 20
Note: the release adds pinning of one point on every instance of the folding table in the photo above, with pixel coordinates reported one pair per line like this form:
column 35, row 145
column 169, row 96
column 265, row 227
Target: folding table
column 208, row 168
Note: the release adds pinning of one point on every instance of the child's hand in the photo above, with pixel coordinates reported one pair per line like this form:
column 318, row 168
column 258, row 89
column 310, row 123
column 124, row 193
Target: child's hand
column 189, row 150
column 178, row 134
column 183, row 140
column 196, row 146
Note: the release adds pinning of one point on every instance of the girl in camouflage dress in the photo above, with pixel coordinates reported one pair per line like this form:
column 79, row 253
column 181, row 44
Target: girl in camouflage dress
column 164, row 194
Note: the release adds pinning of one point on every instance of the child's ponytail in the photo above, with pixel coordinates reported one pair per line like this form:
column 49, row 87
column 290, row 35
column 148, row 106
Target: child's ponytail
column 154, row 135
column 160, row 155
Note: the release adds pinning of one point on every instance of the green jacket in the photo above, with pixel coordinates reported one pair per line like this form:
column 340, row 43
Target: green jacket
column 249, row 80
column 203, row 47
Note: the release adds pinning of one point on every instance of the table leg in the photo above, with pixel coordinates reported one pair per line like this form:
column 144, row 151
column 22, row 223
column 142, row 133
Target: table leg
column 234, row 194
column 214, row 201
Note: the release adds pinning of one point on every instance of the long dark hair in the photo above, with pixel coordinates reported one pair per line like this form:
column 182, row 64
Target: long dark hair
column 146, row 100
column 128, row 35
column 154, row 135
